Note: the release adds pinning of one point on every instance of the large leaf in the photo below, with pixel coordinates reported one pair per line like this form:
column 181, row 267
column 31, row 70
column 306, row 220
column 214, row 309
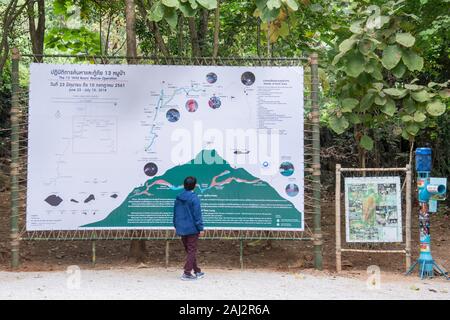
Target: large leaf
column 365, row 46
column 194, row 3
column 349, row 104
column 346, row 45
column 269, row 15
column 391, row 56
column 292, row 4
column 412, row 60
column 260, row 4
column 380, row 100
column 171, row 3
column 337, row 58
column 273, row 4
column 419, row 116
column 412, row 128
column 389, row 108
column 420, row 96
column 366, row 142
column 399, row 70
column 395, row 92
column 156, row 12
column 409, row 105
column 366, row 101
column 407, row 118
column 356, row 27
column 413, row 87
column 170, row 15
column 338, row 125
column 436, row 108
column 208, row 4
column 354, row 118
column 405, row 39
column 355, row 65
column 187, row 10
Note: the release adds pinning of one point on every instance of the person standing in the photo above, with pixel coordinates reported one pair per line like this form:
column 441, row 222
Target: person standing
column 188, row 223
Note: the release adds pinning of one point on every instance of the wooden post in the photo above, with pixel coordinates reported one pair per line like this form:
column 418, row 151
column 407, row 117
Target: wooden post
column 15, row 140
column 94, row 254
column 408, row 217
column 167, row 253
column 314, row 61
column 338, row 217
column 241, row 254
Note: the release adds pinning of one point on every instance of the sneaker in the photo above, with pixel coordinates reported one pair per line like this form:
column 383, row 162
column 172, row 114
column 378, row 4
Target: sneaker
column 199, row 275
column 188, row 277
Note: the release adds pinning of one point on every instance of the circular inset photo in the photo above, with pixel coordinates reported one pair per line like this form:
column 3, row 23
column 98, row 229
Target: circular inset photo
column 150, row 169
column 287, row 169
column 191, row 105
column 211, row 77
column 173, row 115
column 214, row 102
column 292, row 189
column 248, row 78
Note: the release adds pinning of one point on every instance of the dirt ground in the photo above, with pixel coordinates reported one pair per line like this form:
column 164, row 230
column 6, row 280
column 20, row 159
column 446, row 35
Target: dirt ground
column 223, row 254
column 161, row 283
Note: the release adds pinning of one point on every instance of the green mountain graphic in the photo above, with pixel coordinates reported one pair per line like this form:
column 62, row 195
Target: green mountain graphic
column 230, row 197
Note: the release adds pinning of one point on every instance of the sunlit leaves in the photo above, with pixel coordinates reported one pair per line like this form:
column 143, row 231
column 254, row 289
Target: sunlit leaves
column 412, row 60
column 391, row 56
column 338, row 124
column 366, row 142
column 405, row 39
column 436, row 108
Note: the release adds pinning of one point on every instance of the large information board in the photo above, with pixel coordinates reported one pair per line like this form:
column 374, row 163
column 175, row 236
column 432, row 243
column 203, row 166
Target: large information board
column 110, row 146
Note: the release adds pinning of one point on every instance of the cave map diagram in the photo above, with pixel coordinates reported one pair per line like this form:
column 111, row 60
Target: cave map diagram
column 110, row 146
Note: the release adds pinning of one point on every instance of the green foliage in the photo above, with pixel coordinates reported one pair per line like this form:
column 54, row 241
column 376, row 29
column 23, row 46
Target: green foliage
column 167, row 10
column 73, row 41
column 375, row 61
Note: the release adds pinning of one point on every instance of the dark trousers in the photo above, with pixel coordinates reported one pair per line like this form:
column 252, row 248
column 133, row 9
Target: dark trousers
column 190, row 245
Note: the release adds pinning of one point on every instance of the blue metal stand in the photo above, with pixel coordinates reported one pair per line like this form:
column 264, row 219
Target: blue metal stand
column 428, row 268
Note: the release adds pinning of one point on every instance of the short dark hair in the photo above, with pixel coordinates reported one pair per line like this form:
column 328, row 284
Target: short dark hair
column 189, row 183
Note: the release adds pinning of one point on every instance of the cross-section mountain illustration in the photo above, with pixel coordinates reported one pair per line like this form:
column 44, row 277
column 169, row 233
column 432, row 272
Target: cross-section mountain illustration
column 230, row 198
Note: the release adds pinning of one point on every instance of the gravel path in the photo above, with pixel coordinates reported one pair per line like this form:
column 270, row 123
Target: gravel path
column 151, row 283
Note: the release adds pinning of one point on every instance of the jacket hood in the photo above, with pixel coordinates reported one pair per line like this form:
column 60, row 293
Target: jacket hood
column 185, row 195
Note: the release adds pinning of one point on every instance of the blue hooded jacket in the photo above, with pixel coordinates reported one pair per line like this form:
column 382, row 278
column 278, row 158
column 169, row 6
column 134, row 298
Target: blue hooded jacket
column 187, row 214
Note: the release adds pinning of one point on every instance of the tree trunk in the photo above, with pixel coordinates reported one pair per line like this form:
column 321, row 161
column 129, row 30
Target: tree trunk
column 37, row 32
column 180, row 36
column 216, row 30
column 203, row 31
column 258, row 37
column 194, row 37
column 10, row 15
column 130, row 16
column 138, row 250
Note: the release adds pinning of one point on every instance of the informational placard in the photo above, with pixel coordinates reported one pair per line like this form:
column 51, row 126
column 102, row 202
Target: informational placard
column 110, row 146
column 373, row 209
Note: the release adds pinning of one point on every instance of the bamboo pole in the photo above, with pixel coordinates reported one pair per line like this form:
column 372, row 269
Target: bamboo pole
column 372, row 251
column 314, row 60
column 338, row 218
column 15, row 113
column 408, row 217
column 167, row 253
column 372, row 169
column 94, row 254
column 241, row 254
